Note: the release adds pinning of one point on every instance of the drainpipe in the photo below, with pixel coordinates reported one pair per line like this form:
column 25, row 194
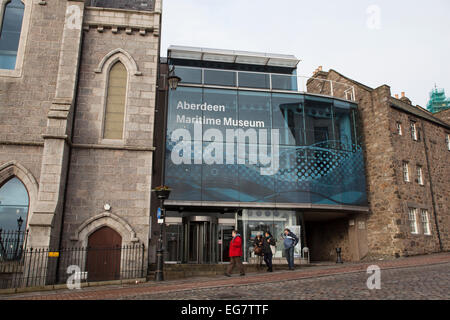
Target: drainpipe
column 431, row 187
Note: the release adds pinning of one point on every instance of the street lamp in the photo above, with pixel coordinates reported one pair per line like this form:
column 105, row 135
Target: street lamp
column 173, row 79
column 162, row 193
column 19, row 225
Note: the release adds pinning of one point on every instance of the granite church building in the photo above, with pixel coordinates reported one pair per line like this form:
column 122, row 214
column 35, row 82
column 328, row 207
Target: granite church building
column 89, row 125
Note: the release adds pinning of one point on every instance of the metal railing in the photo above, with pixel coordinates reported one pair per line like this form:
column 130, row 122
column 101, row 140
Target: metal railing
column 43, row 266
column 192, row 76
column 12, row 244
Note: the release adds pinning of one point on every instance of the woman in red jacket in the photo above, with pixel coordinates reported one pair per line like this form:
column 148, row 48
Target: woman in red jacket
column 235, row 254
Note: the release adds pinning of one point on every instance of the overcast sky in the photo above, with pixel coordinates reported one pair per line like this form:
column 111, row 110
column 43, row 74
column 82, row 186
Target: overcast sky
column 402, row 43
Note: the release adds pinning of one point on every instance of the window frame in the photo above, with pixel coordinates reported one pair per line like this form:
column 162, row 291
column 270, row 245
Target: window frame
column 399, row 128
column 412, row 212
column 427, row 230
column 405, row 165
column 17, row 72
column 414, row 133
column 420, row 179
column 447, row 140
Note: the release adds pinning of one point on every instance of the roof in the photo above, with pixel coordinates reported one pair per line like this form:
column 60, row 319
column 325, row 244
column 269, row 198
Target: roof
column 398, row 104
column 232, row 56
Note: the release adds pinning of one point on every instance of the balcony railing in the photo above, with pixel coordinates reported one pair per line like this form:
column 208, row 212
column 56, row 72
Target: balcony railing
column 192, row 76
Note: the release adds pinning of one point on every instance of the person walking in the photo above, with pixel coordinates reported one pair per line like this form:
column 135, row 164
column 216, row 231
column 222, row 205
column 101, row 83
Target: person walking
column 258, row 249
column 235, row 253
column 290, row 241
column 268, row 242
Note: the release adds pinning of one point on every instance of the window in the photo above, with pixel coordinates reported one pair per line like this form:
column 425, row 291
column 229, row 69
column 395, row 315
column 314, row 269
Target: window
column 13, row 204
column 115, row 102
column 405, row 172
column 399, row 128
column 447, row 139
column 412, row 220
column 413, row 131
column 425, row 222
column 419, row 175
column 10, row 33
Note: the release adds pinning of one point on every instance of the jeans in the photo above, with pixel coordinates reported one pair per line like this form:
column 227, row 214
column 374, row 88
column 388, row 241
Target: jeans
column 268, row 260
column 290, row 257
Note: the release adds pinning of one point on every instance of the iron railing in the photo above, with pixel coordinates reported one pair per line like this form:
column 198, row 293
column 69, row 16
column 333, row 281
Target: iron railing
column 12, row 244
column 43, row 266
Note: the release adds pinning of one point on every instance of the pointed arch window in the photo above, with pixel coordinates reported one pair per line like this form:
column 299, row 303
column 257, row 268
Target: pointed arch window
column 14, row 203
column 115, row 102
column 11, row 28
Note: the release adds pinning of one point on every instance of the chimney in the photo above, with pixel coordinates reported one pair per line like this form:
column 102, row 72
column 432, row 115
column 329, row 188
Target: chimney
column 396, row 96
column 405, row 99
column 320, row 68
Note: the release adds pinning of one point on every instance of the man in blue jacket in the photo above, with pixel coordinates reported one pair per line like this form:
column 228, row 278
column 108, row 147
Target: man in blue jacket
column 290, row 241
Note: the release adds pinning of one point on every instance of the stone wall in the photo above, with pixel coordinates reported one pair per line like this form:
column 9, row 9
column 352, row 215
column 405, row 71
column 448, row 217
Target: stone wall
column 389, row 196
column 443, row 115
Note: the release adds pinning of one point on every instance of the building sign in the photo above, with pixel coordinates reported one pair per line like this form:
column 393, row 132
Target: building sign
column 245, row 146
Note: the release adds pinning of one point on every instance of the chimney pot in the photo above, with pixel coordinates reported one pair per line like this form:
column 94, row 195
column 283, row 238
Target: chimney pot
column 320, row 68
column 403, row 94
column 396, row 96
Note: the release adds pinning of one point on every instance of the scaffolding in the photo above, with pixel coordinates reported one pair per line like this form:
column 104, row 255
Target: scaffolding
column 438, row 101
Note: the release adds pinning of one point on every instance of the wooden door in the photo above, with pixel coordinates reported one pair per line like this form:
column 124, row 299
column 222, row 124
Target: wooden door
column 103, row 257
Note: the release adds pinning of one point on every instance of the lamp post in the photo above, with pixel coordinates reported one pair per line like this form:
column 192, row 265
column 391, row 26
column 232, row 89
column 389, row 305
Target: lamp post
column 162, row 193
column 19, row 227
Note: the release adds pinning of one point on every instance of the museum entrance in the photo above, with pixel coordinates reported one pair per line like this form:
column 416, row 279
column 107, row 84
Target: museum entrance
column 200, row 239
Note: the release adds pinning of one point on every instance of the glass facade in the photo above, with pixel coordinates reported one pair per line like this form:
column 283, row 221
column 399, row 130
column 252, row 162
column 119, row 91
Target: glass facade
column 234, row 145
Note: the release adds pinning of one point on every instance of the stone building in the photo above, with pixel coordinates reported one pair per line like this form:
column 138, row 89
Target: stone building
column 407, row 153
column 77, row 101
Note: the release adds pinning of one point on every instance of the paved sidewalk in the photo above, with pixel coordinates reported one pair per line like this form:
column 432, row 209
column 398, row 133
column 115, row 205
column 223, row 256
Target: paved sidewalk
column 344, row 278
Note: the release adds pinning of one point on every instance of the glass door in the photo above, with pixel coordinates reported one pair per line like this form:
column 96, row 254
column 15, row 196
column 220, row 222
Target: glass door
column 200, row 244
column 223, row 242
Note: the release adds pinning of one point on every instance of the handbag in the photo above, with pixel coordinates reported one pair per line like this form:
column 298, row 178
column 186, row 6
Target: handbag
column 258, row 251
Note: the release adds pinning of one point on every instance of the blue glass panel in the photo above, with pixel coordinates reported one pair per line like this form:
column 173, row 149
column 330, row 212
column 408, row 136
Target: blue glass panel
column 284, row 82
column 253, row 186
column 223, row 110
column 254, row 80
column 220, row 78
column 220, row 181
column 184, row 110
column 287, row 116
column 319, row 121
column 189, row 75
column 10, row 34
column 255, row 106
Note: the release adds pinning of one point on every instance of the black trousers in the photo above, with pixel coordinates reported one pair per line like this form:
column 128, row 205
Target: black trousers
column 268, row 259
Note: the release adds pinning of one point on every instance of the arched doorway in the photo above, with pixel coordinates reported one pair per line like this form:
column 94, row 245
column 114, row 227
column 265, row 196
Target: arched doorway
column 104, row 253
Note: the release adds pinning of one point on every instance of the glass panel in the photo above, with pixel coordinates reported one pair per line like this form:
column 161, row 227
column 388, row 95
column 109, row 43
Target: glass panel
column 344, row 135
column 13, row 205
column 319, row 122
column 288, row 117
column 284, row 82
column 255, row 106
column 189, row 75
column 10, row 34
column 220, row 78
column 254, row 80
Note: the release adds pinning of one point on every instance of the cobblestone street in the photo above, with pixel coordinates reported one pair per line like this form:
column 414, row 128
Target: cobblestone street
column 420, row 277
column 424, row 282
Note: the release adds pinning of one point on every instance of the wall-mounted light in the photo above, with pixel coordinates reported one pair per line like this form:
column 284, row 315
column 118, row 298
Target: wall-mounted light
column 107, row 207
column 173, row 79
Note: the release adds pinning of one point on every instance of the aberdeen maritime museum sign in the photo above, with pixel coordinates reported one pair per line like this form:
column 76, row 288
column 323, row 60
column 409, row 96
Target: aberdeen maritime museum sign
column 253, row 146
column 227, row 121
column 210, row 147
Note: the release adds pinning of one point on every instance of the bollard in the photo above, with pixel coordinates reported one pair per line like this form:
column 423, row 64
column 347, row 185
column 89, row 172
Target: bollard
column 338, row 252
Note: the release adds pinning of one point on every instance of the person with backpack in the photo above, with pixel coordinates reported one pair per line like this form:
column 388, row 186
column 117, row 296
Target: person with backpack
column 268, row 242
column 290, row 241
column 235, row 253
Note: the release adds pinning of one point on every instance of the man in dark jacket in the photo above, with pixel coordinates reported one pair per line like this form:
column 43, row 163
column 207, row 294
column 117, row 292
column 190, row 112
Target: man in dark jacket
column 235, row 254
column 267, row 250
column 290, row 241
